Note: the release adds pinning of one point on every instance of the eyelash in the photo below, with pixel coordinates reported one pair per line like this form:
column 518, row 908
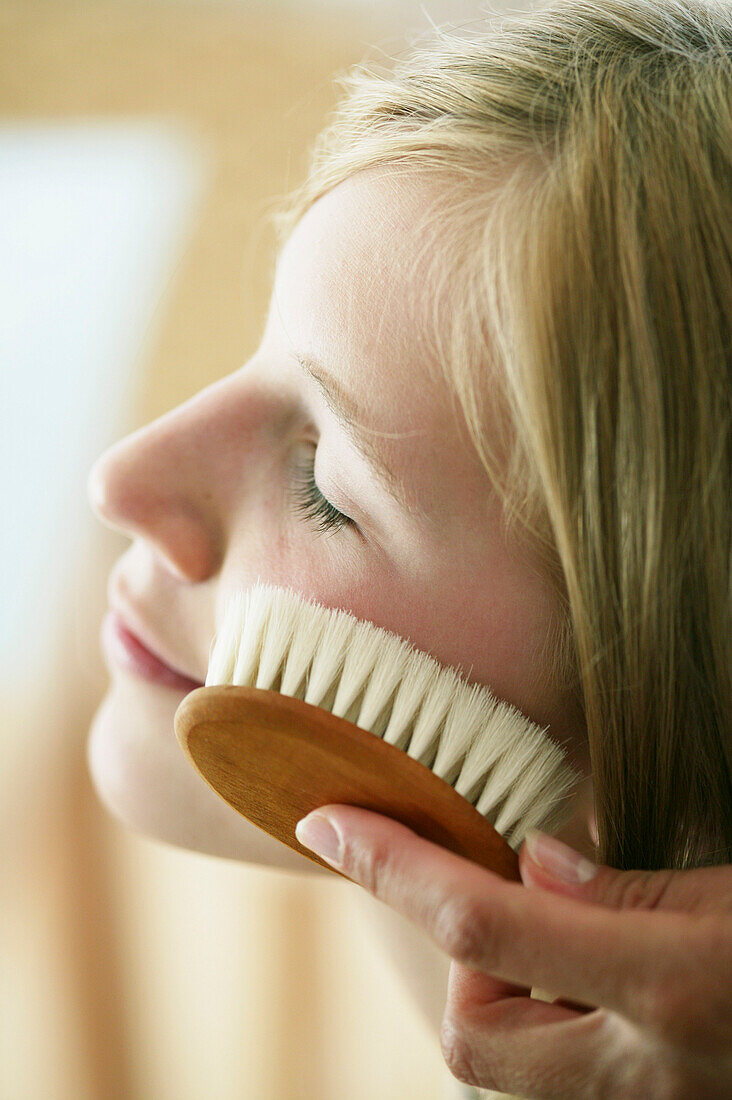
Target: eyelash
column 312, row 503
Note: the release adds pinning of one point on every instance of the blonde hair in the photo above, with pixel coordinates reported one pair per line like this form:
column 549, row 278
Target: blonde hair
column 586, row 220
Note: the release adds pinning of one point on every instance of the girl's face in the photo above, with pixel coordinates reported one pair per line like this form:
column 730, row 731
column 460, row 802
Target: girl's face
column 340, row 400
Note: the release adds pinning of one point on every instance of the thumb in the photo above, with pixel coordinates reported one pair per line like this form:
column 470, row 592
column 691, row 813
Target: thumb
column 548, row 864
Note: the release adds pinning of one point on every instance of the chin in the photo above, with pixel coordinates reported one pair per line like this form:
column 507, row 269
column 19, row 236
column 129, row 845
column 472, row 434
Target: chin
column 142, row 777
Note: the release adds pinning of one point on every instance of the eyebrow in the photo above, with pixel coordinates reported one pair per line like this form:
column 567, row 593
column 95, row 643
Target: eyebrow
column 348, row 413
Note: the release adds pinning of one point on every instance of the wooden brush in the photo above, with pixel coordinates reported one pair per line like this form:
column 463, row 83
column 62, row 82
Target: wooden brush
column 306, row 705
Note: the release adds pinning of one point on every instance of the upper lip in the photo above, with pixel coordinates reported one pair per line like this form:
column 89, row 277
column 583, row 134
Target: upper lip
column 132, row 624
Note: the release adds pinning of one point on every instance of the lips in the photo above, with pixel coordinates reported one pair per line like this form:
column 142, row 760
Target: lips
column 125, row 648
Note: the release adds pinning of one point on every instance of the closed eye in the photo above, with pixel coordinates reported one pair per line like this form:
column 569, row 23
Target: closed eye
column 311, row 502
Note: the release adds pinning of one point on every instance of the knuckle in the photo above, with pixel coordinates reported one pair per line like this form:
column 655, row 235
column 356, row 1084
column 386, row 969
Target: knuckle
column 640, row 889
column 466, row 930
column 371, row 865
column 457, row 1052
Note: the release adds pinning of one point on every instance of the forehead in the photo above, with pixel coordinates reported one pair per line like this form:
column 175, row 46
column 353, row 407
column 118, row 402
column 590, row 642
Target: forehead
column 355, row 256
column 355, row 290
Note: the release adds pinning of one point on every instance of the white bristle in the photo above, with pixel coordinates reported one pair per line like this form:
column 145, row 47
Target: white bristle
column 299, row 656
column 507, row 745
column 358, row 666
column 427, row 727
column 383, row 681
column 328, row 660
column 276, row 638
column 492, row 754
column 250, row 646
column 466, row 720
column 226, row 642
column 532, row 802
column 419, row 675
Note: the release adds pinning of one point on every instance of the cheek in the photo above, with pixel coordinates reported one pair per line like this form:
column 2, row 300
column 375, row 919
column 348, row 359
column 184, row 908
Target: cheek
column 490, row 619
column 477, row 608
column 329, row 568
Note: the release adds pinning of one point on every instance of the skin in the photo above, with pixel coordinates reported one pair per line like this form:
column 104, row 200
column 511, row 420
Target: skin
column 642, row 963
column 205, row 494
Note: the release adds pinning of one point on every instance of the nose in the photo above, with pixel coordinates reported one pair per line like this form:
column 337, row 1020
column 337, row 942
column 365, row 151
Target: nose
column 157, row 484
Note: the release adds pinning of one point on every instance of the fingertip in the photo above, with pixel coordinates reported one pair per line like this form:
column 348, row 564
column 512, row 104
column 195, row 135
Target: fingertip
column 531, row 872
column 557, row 860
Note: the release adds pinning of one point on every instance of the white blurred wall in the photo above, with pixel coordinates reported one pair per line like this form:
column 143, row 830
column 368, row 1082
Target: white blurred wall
column 94, row 216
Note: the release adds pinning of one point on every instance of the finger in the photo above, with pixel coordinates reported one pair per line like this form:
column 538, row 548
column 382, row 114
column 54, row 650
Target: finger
column 564, row 1002
column 526, row 1047
column 466, row 987
column 582, row 952
column 550, row 865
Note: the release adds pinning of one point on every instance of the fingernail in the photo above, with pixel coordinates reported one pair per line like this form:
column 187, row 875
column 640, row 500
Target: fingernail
column 557, row 859
column 318, row 834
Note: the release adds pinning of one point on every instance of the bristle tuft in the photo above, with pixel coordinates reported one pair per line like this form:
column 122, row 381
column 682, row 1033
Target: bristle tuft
column 384, row 680
column 358, row 665
column 429, row 723
column 468, row 717
column 328, row 659
column 227, row 641
column 492, row 754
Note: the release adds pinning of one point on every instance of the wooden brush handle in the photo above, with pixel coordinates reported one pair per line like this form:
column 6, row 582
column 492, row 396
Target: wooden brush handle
column 275, row 758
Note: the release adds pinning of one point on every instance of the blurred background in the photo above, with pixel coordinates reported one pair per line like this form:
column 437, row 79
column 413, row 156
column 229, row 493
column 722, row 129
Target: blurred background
column 141, row 145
